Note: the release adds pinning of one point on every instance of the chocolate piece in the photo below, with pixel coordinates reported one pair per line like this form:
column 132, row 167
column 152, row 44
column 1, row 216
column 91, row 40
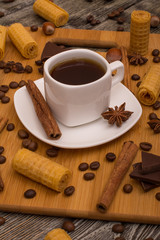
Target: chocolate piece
column 50, row 49
column 149, row 177
column 150, row 162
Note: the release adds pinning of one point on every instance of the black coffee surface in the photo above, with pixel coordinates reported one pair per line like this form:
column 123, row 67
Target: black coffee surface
column 77, row 72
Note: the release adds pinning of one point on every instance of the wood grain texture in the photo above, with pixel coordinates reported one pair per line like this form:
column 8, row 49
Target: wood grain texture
column 127, row 208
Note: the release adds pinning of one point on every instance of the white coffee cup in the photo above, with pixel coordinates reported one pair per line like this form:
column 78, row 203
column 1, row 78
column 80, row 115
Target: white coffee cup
column 73, row 105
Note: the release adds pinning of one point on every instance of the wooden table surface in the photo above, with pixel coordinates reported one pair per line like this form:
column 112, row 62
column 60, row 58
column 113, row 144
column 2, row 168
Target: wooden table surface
column 25, row 226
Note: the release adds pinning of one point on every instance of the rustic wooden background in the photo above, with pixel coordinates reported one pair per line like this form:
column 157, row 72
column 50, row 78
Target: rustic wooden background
column 33, row 227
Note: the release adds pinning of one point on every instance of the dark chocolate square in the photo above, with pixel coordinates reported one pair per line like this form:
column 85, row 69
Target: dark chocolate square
column 150, row 162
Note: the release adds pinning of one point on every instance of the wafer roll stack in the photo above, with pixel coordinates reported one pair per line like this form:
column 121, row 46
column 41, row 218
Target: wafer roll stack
column 51, row 12
column 41, row 169
column 23, row 41
column 3, row 35
column 57, row 234
column 139, row 32
column 149, row 89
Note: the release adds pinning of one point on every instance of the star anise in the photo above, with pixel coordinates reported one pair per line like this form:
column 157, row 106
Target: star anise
column 155, row 125
column 117, row 115
column 135, row 59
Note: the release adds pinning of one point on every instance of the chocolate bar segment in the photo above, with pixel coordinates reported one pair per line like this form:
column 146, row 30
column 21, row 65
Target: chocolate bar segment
column 150, row 162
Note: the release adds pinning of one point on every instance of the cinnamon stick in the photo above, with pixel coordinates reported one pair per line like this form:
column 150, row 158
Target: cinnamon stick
column 3, row 123
column 126, row 156
column 126, row 80
column 43, row 111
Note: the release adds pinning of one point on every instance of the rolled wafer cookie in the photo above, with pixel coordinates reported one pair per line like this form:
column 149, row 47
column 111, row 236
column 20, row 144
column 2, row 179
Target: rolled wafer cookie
column 149, row 89
column 41, row 169
column 23, row 41
column 3, row 35
column 57, row 234
column 51, row 12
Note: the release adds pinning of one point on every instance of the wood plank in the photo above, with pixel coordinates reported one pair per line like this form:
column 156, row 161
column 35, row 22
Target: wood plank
column 130, row 207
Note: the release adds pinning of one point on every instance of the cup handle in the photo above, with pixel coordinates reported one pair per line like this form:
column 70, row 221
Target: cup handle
column 117, row 65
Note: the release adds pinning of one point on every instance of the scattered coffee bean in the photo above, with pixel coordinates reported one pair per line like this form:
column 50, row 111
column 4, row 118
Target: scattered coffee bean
column 118, row 228
column 52, row 152
column 149, row 238
column 30, row 193
column 116, row 13
column 22, row 83
column 156, row 105
column 23, row 134
column 5, row 99
column 89, row 18
column 38, row 62
column 152, row 116
column 26, row 142
column 127, row 188
column 120, row 29
column 10, row 127
column 120, row 20
column 157, row 196
column 2, row 64
column 33, row 146
column 111, row 15
column 34, row 28
column 28, row 69
column 2, row 220
column 40, row 70
column 156, row 59
column 110, row 156
column 2, row 94
column 154, row 21
column 138, row 83
column 83, row 166
column 93, row 22
column 69, row 190
column 135, row 77
column 145, row 146
column 155, row 52
column 120, row 238
column 1, row 149
column 4, row 88
column 68, row 226
column 89, row 176
column 7, row 70
column 2, row 159
column 13, row 85
column 94, row 165
column 1, row 14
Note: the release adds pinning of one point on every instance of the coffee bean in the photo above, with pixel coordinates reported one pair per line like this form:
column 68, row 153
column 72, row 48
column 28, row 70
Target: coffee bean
column 34, row 28
column 94, row 165
column 2, row 159
column 138, row 83
column 2, row 94
column 2, row 64
column 23, row 134
column 145, row 146
column 4, row 88
column 120, row 29
column 116, row 13
column 149, row 238
column 18, row 68
column 40, row 70
column 110, row 156
column 120, row 9
column 156, row 105
column 69, row 190
column 1, row 14
column 83, row 166
column 93, row 22
column 52, row 152
column 155, row 52
column 26, row 142
column 33, row 146
column 118, row 228
column 89, row 18
column 10, row 127
column 2, row 220
column 135, row 77
column 1, row 149
column 13, row 85
column 5, row 99
column 7, row 70
column 89, row 176
column 8, row 1
column 111, row 15
column 120, row 20
column 127, row 188
column 157, row 196
column 28, row 69
column 119, row 238
column 98, row 21
column 22, row 83
column 156, row 59
column 68, row 226
column 152, row 116
column 30, row 193
column 38, row 62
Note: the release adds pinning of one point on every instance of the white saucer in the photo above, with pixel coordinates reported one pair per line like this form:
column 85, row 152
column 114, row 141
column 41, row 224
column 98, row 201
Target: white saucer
column 88, row 135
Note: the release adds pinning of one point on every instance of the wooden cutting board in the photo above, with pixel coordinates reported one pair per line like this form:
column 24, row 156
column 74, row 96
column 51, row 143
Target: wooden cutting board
column 135, row 207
